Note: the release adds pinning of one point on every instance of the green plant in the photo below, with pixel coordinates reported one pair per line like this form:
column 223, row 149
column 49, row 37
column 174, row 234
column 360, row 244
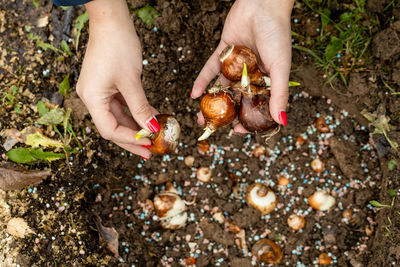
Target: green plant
column 375, row 203
column 10, row 99
column 381, row 125
column 343, row 41
column 390, row 88
column 79, row 24
column 28, row 155
column 64, row 88
column 36, row 141
column 65, row 48
column 63, row 52
column 43, row 45
column 56, row 118
column 392, row 164
column 147, row 14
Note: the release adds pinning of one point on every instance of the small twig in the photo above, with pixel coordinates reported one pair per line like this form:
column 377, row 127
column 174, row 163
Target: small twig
column 269, row 135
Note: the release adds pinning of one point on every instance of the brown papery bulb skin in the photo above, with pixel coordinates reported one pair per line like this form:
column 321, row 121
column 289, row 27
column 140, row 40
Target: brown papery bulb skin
column 254, row 113
column 257, row 78
column 218, row 109
column 267, row 251
column 321, row 125
column 232, row 59
column 166, row 140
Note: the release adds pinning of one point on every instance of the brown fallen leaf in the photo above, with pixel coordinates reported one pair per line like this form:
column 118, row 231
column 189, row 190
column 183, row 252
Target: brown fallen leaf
column 12, row 136
column 109, row 235
column 43, row 21
column 18, row 227
column 12, row 178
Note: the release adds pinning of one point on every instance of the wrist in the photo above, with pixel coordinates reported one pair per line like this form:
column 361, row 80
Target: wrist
column 281, row 8
column 106, row 13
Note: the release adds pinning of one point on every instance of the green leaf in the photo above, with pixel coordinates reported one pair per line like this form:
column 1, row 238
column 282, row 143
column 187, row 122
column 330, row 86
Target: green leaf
column 33, row 37
column 147, row 14
column 307, row 50
column 377, row 204
column 64, row 88
column 70, row 150
column 325, row 17
column 392, row 192
column 17, row 108
column 27, row 155
column 392, row 164
column 46, row 155
column 382, row 126
column 67, row 116
column 53, row 117
column 79, row 24
column 10, row 98
column 333, row 48
column 346, row 17
column 20, row 155
column 42, row 109
column 46, row 46
column 65, row 48
column 35, row 3
column 14, row 89
column 81, row 21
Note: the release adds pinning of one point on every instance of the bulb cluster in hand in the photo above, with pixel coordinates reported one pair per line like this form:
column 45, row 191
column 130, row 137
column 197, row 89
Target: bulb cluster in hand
column 246, row 98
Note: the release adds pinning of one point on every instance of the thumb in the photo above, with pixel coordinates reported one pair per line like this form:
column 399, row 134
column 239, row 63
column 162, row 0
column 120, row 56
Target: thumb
column 132, row 92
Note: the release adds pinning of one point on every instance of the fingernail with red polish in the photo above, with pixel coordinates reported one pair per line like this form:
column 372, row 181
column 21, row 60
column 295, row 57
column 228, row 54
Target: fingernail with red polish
column 283, row 117
column 146, row 146
column 144, row 158
column 191, row 94
column 153, row 125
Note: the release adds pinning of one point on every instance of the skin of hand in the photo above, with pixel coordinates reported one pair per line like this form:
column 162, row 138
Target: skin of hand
column 263, row 26
column 110, row 77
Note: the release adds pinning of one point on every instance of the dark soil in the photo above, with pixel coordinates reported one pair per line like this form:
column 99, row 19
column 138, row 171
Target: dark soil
column 106, row 181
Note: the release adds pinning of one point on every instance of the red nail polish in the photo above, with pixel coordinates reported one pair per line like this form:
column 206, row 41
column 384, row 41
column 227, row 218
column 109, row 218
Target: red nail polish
column 153, row 125
column 283, row 117
column 143, row 158
column 146, row 146
column 191, row 94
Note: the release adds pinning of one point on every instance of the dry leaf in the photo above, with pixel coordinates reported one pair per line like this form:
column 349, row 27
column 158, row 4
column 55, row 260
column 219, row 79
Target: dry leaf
column 37, row 139
column 12, row 178
column 12, row 136
column 109, row 235
column 43, row 21
column 241, row 241
column 27, row 131
column 18, row 227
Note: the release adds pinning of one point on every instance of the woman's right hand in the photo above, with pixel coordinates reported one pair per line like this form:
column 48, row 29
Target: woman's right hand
column 110, row 77
column 264, row 26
